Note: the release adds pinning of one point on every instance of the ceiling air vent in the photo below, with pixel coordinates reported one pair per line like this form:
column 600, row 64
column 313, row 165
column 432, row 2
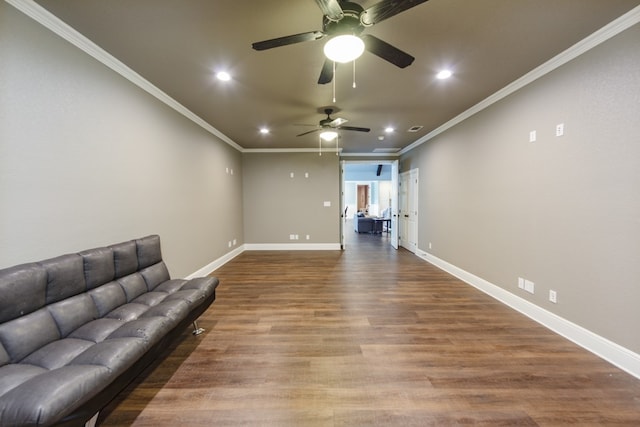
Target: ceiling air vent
column 415, row 128
column 386, row 150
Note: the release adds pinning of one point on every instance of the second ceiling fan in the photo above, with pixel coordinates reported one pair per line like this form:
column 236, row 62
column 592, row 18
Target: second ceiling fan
column 349, row 18
column 333, row 124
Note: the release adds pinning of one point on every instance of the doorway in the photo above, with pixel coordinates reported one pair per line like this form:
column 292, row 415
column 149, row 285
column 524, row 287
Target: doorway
column 371, row 188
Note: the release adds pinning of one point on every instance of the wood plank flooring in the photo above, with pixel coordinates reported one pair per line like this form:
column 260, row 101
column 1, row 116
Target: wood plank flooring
column 369, row 337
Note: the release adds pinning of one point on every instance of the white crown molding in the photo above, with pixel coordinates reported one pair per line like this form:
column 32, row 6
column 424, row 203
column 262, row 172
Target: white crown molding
column 289, row 150
column 68, row 33
column 605, row 33
column 376, row 155
column 613, row 353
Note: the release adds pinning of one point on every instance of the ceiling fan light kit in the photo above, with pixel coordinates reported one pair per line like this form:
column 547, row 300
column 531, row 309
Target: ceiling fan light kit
column 342, row 18
column 329, row 135
column 344, row 48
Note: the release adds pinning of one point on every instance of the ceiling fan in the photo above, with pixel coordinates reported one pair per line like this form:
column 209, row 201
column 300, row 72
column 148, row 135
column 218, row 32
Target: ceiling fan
column 333, row 124
column 345, row 17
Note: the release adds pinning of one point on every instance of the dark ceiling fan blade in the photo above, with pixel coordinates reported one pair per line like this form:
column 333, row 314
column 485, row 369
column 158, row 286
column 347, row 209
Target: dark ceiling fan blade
column 387, row 52
column 308, row 132
column 286, row 40
column 386, row 9
column 326, row 75
column 331, row 9
column 357, row 129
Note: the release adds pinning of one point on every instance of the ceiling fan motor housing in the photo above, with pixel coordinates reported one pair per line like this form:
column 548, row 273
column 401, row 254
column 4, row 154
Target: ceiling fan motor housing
column 349, row 23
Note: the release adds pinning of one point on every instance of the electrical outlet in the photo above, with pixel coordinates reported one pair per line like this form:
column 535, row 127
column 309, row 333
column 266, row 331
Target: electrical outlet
column 532, row 136
column 520, row 283
column 553, row 296
column 292, row 237
column 560, row 129
column 308, row 237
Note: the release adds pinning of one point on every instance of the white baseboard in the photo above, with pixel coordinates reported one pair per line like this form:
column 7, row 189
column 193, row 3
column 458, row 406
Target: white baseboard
column 211, row 267
column 292, row 246
column 613, row 353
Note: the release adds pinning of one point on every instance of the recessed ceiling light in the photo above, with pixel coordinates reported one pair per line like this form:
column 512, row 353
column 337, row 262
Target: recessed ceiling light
column 224, row 76
column 444, row 74
column 389, row 129
column 264, row 131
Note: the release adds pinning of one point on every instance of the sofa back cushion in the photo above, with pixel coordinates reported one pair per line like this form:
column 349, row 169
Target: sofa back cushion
column 99, row 267
column 24, row 335
column 65, row 277
column 22, row 289
column 73, row 312
column 149, row 252
column 108, row 297
column 125, row 258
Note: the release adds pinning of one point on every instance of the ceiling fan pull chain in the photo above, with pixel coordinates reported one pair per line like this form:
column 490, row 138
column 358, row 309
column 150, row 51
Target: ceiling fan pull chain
column 319, row 146
column 337, row 145
column 334, row 81
column 354, row 73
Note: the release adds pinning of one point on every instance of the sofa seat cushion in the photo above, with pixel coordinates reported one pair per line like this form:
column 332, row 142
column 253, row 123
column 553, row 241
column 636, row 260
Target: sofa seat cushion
column 97, row 330
column 58, row 353
column 10, row 375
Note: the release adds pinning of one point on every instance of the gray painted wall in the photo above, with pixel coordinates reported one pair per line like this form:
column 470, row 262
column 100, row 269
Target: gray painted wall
column 89, row 159
column 277, row 205
column 563, row 212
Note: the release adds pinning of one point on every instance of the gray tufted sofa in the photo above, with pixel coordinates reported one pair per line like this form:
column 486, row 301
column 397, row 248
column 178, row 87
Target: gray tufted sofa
column 76, row 329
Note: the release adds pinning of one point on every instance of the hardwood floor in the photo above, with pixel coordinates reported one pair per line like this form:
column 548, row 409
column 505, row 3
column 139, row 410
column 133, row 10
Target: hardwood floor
column 369, row 337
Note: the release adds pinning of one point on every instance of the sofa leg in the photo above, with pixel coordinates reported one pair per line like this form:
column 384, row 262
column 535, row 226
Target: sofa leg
column 196, row 330
column 93, row 421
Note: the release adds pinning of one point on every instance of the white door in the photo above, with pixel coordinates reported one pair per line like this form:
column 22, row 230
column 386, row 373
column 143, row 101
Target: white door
column 412, row 222
column 343, row 209
column 403, row 216
column 394, row 204
column 408, row 199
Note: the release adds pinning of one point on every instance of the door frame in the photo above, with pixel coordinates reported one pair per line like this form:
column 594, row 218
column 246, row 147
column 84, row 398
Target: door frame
column 394, row 198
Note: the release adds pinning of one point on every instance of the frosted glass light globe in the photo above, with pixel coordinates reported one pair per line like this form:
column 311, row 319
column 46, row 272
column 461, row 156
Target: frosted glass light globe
column 344, row 48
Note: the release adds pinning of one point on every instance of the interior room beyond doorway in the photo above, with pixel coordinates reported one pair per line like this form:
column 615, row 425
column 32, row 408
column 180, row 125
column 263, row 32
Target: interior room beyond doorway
column 369, row 201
